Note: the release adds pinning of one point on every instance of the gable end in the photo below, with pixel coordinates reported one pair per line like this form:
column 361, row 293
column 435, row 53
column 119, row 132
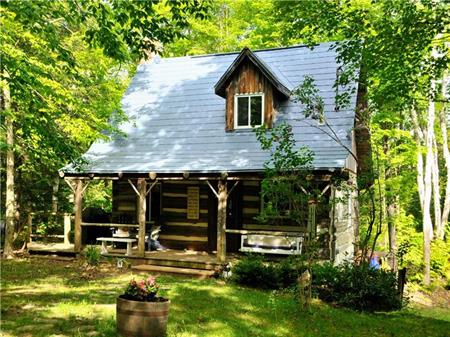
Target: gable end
column 248, row 56
column 248, row 79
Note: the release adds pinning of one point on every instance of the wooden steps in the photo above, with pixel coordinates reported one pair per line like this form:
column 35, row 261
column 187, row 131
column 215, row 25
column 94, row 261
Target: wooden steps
column 201, row 273
column 182, row 263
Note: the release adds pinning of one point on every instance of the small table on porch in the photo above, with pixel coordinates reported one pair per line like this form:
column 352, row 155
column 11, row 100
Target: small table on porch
column 129, row 242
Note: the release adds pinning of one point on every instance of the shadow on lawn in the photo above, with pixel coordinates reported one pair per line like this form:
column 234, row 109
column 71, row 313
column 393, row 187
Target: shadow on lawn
column 246, row 312
column 199, row 308
column 24, row 272
column 43, row 326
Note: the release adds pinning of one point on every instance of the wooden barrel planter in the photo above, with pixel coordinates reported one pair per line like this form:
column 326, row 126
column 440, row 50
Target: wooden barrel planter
column 142, row 319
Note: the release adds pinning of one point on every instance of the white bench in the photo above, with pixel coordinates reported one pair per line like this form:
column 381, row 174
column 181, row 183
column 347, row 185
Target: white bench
column 271, row 244
column 129, row 242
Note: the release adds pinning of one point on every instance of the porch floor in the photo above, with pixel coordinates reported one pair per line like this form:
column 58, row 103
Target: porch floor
column 168, row 254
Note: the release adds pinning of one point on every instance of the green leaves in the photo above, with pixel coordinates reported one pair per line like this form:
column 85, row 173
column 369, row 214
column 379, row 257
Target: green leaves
column 231, row 25
column 66, row 65
column 61, row 99
column 283, row 187
column 308, row 95
column 392, row 39
column 134, row 29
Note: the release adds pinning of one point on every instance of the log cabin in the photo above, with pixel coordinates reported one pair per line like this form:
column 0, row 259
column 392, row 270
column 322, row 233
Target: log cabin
column 188, row 160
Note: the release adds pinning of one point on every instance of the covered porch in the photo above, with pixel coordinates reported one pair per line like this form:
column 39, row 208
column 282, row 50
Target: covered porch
column 192, row 211
column 203, row 217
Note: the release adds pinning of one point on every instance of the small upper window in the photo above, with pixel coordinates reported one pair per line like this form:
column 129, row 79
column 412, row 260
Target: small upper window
column 248, row 110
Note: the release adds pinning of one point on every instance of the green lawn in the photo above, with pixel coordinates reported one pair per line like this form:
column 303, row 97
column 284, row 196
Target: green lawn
column 57, row 298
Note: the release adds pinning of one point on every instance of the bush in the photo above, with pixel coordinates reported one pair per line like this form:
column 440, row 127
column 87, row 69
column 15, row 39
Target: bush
column 92, row 255
column 324, row 279
column 357, row 287
column 290, row 269
column 254, row 272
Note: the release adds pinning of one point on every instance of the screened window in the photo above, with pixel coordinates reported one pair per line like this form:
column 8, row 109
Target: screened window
column 248, row 111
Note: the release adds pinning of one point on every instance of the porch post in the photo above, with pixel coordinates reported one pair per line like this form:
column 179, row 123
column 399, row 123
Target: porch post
column 78, row 204
column 222, row 220
column 142, row 207
column 312, row 226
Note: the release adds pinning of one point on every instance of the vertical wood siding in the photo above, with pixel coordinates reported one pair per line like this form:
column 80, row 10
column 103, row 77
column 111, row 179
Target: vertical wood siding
column 248, row 79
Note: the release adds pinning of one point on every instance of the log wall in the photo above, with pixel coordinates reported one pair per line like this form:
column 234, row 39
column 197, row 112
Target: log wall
column 179, row 232
column 124, row 203
column 251, row 203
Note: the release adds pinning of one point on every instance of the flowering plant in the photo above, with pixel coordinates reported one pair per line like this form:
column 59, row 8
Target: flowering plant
column 143, row 290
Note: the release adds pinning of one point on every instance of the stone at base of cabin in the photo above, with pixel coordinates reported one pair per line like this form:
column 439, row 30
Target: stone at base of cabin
column 142, row 319
column 344, row 227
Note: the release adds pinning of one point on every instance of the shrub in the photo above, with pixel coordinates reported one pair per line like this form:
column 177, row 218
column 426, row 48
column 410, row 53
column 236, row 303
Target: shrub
column 324, row 279
column 357, row 287
column 253, row 271
column 92, row 255
column 290, row 269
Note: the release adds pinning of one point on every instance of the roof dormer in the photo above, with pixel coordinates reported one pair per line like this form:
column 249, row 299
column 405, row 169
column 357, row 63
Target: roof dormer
column 251, row 89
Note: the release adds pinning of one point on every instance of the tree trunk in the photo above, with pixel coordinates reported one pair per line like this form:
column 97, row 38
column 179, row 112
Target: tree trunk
column 382, row 196
column 446, row 154
column 55, row 196
column 427, row 223
column 436, row 189
column 392, row 233
column 419, row 137
column 8, row 248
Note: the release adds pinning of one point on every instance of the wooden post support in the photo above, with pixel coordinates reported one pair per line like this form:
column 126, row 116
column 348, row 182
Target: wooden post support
column 142, row 207
column 66, row 228
column 312, row 226
column 222, row 220
column 78, row 207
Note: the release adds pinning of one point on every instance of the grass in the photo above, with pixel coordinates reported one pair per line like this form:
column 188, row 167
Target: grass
column 58, row 298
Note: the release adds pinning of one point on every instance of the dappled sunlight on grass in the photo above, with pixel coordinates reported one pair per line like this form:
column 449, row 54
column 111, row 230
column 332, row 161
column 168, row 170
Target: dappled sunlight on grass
column 60, row 300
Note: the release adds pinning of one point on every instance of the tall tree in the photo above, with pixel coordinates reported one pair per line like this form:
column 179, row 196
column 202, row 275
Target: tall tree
column 231, row 25
column 61, row 101
column 393, row 40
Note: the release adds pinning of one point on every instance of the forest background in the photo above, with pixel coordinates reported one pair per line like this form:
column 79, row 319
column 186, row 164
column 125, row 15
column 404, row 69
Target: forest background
column 56, row 101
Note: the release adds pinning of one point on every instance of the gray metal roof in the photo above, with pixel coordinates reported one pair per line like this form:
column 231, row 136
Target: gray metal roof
column 177, row 122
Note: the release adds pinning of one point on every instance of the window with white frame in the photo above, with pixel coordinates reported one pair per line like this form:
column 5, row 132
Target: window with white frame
column 248, row 110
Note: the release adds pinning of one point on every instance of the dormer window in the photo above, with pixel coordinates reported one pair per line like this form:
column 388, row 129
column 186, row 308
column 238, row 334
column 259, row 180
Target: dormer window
column 248, row 110
column 251, row 89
